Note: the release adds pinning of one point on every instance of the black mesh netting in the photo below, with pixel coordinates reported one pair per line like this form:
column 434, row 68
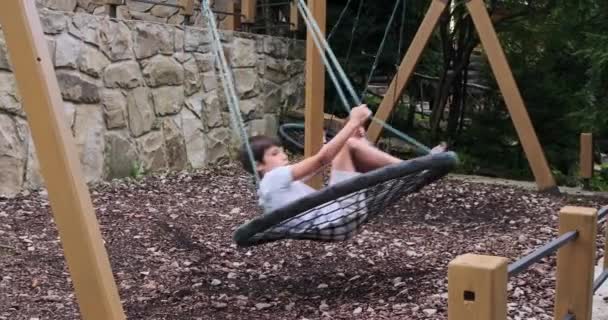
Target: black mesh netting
column 336, row 213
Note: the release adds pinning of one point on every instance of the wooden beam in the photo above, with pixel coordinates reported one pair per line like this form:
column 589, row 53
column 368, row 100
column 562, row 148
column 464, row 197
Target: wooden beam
column 576, row 264
column 508, row 87
column 586, row 155
column 187, row 7
column 248, row 8
column 231, row 19
column 477, row 288
column 60, row 166
column 315, row 89
column 406, row 68
column 294, row 16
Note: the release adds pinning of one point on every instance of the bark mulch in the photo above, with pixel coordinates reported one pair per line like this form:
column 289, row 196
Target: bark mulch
column 169, row 239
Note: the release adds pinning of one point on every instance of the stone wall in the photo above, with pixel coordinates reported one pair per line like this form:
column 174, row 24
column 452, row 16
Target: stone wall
column 146, row 95
column 134, row 10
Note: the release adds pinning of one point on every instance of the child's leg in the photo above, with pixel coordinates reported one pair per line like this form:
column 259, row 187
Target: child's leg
column 367, row 157
column 344, row 160
column 358, row 155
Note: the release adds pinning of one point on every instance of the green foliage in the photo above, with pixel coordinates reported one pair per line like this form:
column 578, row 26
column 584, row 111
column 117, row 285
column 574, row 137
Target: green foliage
column 599, row 181
column 137, row 169
column 557, row 50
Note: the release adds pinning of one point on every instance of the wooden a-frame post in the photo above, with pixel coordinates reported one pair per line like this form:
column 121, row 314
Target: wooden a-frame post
column 315, row 90
column 73, row 211
column 504, row 77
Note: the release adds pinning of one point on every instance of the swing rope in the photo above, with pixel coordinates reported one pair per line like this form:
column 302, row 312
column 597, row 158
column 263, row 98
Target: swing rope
column 352, row 32
column 227, row 80
column 322, row 46
column 335, row 27
column 335, row 213
column 381, row 47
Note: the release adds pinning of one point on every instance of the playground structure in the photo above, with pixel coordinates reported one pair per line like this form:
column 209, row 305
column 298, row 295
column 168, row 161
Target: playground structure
column 478, row 283
column 489, row 40
column 96, row 291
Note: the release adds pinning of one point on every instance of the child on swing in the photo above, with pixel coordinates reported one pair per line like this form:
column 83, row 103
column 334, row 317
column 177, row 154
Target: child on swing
column 349, row 154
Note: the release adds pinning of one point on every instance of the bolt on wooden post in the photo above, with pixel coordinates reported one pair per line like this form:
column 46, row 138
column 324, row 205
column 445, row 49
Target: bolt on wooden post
column 477, row 288
column 575, row 263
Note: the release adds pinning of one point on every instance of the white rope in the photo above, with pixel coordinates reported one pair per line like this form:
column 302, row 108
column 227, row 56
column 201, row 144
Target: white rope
column 228, row 83
column 314, row 28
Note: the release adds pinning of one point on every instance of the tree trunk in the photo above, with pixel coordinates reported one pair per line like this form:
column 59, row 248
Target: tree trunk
column 457, row 54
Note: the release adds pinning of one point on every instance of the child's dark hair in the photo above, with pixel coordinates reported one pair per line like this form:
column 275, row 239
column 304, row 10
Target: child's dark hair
column 259, row 145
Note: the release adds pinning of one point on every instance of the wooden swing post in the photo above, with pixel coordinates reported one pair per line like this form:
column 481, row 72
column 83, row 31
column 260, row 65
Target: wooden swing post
column 69, row 197
column 586, row 156
column 315, row 89
column 504, row 77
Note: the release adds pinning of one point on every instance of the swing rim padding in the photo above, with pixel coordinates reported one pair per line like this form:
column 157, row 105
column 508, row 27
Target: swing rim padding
column 438, row 164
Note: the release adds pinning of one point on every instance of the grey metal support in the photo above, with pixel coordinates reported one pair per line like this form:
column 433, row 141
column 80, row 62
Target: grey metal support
column 523, row 263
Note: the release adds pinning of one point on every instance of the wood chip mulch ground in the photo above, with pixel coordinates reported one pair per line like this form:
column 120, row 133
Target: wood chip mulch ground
column 169, row 239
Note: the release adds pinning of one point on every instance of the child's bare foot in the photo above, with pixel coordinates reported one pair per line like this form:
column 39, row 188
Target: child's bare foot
column 439, row 148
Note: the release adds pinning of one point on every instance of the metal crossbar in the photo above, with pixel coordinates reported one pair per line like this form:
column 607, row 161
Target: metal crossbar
column 602, row 213
column 523, row 263
column 600, row 280
column 276, row 4
column 229, row 13
column 159, row 3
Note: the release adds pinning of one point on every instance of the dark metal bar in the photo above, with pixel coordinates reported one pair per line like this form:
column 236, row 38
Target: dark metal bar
column 570, row 316
column 602, row 213
column 600, row 280
column 276, row 4
column 274, row 25
column 523, row 263
column 159, row 3
column 229, row 13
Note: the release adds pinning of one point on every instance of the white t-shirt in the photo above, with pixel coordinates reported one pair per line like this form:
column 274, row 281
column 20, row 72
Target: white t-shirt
column 277, row 188
column 333, row 221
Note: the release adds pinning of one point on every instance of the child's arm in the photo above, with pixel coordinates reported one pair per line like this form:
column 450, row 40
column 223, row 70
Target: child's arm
column 327, row 153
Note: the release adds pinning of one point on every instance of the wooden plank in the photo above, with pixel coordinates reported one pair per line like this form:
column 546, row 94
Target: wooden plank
column 406, row 68
column 187, row 7
column 294, row 16
column 508, row 87
column 477, row 288
column 248, row 9
column 60, row 166
column 315, row 89
column 576, row 263
column 333, row 122
column 586, row 155
column 228, row 20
